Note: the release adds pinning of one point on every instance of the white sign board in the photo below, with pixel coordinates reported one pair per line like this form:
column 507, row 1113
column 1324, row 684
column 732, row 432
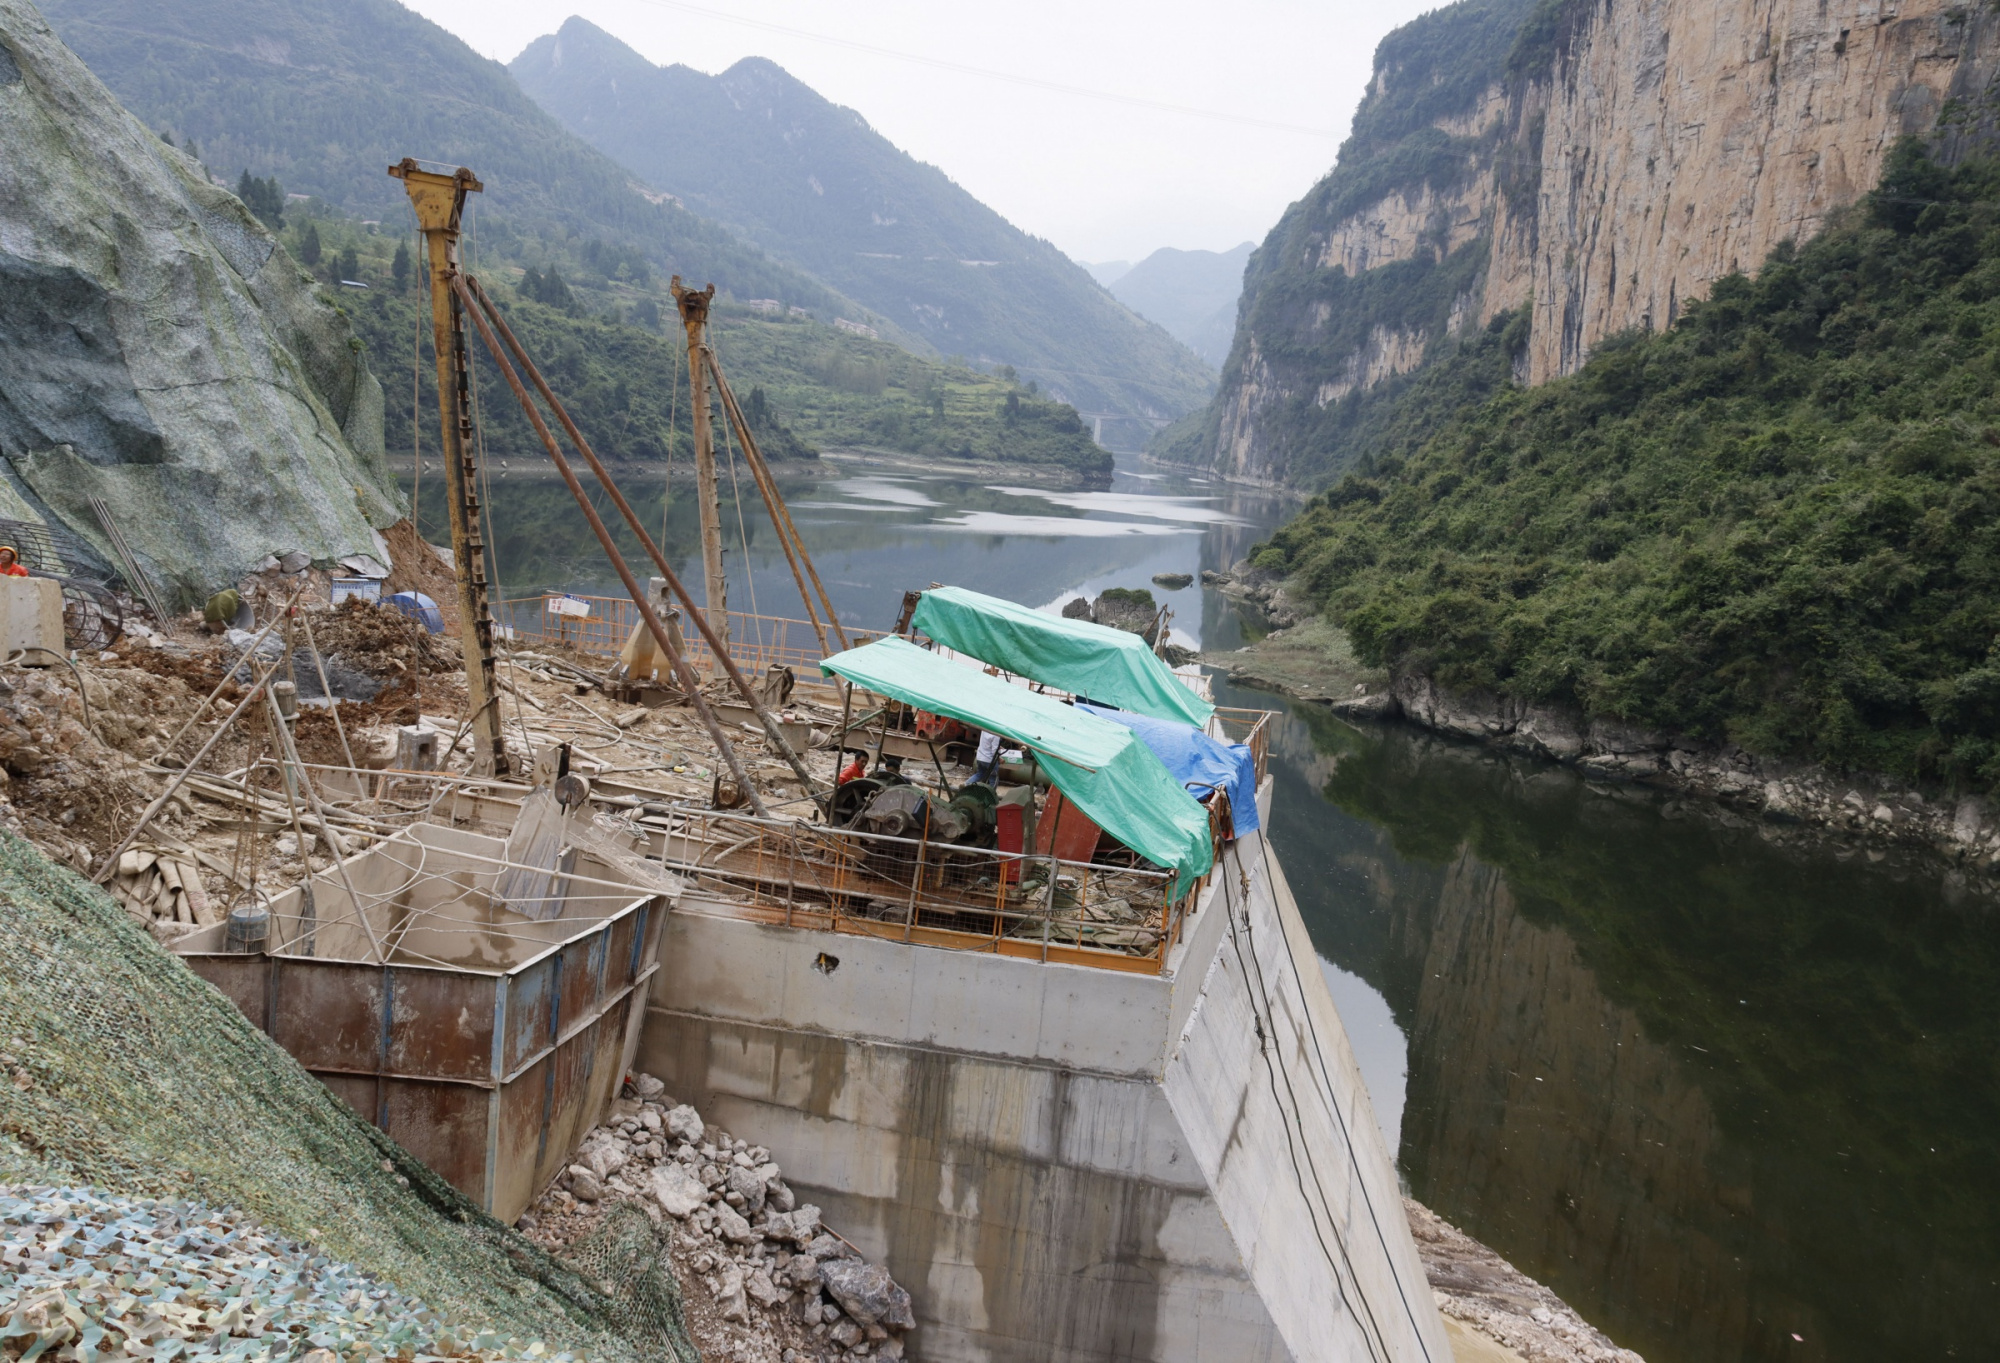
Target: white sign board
column 568, row 605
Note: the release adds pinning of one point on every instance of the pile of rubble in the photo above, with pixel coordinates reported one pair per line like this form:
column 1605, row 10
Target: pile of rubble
column 778, row 1287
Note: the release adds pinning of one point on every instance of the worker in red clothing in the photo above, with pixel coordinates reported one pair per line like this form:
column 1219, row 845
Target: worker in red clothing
column 10, row 562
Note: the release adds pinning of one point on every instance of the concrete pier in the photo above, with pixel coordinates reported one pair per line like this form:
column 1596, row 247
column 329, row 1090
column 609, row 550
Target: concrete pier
column 1061, row 1162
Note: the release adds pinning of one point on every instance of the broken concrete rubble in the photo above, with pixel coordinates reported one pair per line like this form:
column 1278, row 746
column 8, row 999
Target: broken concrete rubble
column 761, row 1281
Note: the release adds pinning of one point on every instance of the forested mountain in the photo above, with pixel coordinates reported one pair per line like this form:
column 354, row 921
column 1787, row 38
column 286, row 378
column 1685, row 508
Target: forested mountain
column 303, row 105
column 804, row 385
column 323, row 95
column 814, row 184
column 1192, row 294
column 1776, row 524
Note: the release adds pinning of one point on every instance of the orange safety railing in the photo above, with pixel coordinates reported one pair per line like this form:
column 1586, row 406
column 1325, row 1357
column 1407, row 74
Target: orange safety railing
column 1028, row 905
column 1252, row 727
column 755, row 641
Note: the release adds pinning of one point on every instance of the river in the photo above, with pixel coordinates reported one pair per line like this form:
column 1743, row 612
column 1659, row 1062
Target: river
column 1732, row 1102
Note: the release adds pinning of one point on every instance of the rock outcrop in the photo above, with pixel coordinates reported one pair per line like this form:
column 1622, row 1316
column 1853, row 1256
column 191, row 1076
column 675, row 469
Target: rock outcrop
column 1598, row 164
column 159, row 350
column 1869, row 808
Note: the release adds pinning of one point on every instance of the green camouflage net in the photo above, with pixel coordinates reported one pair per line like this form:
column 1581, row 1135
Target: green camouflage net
column 122, row 1071
column 624, row 1259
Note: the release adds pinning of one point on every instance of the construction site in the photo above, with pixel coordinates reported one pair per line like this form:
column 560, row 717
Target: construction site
column 399, row 972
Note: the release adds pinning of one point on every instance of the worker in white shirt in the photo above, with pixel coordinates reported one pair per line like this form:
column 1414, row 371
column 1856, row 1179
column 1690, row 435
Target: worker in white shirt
column 987, row 766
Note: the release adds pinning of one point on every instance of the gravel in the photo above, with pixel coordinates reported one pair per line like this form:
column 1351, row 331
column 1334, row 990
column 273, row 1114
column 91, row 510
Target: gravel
column 83, row 1273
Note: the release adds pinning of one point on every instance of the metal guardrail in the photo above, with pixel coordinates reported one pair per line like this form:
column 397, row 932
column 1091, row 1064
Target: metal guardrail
column 1251, row 727
column 755, row 641
column 1027, row 905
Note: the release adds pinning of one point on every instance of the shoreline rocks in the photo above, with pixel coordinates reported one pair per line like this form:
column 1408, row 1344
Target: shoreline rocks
column 1964, row 830
column 1849, row 808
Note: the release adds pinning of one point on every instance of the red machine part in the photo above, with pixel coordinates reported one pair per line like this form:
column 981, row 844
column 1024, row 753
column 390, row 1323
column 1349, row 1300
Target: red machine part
column 938, row 728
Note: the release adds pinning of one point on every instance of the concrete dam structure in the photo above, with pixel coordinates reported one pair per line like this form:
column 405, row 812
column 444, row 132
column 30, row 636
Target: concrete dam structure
column 1065, row 1161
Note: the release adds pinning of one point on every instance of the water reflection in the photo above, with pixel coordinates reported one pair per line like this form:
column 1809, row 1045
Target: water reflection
column 1730, row 1101
column 1717, row 1094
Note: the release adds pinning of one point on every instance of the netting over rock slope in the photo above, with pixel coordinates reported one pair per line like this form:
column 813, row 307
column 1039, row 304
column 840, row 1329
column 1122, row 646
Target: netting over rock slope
column 122, row 1072
column 160, row 351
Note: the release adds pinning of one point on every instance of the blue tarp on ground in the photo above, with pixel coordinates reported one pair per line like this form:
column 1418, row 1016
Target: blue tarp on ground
column 420, row 607
column 1196, row 760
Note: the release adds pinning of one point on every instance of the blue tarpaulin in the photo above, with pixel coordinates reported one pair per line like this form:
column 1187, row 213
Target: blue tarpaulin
column 1196, row 760
column 421, row 607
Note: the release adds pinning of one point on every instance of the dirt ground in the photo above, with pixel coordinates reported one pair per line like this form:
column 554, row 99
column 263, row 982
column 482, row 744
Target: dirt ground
column 1309, row 661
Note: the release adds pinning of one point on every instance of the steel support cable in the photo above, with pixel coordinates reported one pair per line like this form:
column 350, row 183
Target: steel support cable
column 653, row 622
column 1377, row 1344
column 470, row 289
column 774, row 504
column 781, row 515
column 742, row 533
column 1326, row 1077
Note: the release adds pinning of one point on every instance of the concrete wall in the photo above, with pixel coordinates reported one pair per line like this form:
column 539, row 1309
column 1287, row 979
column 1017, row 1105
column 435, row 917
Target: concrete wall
column 1061, row 1163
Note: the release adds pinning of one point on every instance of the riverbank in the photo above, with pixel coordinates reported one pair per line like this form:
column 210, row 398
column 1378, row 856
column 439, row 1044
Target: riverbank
column 1054, row 476
column 1307, row 658
column 832, row 463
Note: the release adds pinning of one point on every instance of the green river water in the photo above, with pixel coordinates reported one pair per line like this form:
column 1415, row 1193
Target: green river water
column 1731, row 1101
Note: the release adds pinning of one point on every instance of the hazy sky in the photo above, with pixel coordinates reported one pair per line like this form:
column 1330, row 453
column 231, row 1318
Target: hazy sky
column 1103, row 179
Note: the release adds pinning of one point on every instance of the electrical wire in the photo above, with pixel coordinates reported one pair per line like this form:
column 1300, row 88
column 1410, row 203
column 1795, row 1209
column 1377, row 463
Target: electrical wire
column 987, row 73
column 1267, row 1037
column 1326, row 1077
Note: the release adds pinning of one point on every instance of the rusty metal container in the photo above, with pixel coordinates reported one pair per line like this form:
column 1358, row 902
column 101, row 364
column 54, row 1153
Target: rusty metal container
column 485, row 1042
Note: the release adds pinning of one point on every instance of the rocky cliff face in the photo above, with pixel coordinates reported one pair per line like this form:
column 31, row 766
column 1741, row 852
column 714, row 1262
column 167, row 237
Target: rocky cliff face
column 1686, row 138
column 1599, row 162
column 159, row 351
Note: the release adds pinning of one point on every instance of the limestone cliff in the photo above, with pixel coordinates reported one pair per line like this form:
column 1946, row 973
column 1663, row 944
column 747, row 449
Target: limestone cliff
column 1599, row 161
column 159, row 351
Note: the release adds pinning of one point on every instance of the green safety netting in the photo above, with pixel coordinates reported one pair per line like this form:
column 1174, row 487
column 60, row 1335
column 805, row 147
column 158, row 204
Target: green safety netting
column 1110, row 666
column 123, row 1071
column 1100, row 766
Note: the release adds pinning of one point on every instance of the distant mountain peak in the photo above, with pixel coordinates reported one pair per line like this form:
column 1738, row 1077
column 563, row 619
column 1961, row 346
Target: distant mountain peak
column 810, row 181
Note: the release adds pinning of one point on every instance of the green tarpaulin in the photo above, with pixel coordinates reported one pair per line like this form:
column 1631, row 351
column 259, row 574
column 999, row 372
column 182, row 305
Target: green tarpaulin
column 1110, row 666
column 1100, row 766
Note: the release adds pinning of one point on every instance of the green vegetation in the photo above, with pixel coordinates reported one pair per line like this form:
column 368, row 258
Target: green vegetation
column 1777, row 523
column 1312, row 322
column 812, row 183
column 804, row 386
column 265, row 198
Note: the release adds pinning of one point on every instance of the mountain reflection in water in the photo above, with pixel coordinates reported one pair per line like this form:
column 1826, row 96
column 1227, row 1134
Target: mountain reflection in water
column 1731, row 1102
column 1715, row 1093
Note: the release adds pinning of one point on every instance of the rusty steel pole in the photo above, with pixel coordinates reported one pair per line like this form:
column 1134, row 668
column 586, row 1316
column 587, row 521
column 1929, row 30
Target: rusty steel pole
column 439, row 201
column 651, row 617
column 708, row 493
